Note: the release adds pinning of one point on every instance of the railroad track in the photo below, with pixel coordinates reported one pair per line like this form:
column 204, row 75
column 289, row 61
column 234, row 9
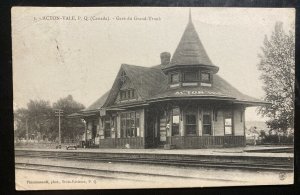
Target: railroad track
column 209, row 163
column 112, row 174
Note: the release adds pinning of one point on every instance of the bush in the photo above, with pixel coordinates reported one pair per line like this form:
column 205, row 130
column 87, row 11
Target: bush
column 277, row 139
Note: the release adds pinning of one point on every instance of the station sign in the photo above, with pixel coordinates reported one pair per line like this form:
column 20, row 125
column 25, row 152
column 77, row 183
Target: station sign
column 198, row 92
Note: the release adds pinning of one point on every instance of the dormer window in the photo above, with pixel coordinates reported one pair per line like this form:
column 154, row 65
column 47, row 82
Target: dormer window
column 127, row 94
column 174, row 78
column 205, row 77
column 190, row 76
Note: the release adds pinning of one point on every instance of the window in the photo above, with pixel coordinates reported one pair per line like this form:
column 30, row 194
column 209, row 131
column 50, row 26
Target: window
column 107, row 127
column 228, row 123
column 175, row 78
column 190, row 76
column 122, row 95
column 130, row 124
column 175, row 121
column 215, row 111
column 190, row 119
column 205, row 77
column 127, row 94
column 190, row 124
column 207, row 123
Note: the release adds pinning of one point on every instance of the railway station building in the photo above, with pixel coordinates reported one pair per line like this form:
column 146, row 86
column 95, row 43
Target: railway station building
column 181, row 103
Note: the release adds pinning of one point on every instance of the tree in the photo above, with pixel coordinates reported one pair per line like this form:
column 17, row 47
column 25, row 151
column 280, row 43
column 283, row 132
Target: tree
column 70, row 128
column 36, row 118
column 39, row 118
column 20, row 117
column 277, row 66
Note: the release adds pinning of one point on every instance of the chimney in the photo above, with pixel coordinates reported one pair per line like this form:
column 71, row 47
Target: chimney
column 165, row 58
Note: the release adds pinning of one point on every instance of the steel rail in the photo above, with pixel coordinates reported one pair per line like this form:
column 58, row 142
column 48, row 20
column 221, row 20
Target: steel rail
column 103, row 173
column 251, row 165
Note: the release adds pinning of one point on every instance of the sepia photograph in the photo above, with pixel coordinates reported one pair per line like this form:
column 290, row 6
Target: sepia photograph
column 152, row 97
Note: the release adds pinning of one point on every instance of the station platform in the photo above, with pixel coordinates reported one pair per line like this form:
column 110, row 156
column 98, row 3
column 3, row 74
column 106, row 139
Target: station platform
column 250, row 151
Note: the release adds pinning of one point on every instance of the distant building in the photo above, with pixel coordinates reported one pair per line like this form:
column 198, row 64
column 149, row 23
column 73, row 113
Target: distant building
column 181, row 102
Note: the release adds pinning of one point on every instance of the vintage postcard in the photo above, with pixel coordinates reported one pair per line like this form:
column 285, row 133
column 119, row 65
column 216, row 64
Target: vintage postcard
column 153, row 97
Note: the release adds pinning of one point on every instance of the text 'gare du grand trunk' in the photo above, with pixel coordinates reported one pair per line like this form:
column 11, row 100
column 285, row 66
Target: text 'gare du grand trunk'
column 180, row 103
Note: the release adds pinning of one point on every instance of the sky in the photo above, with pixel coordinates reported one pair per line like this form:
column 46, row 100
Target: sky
column 54, row 57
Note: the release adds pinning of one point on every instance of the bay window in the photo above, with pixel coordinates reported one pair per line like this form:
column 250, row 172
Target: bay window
column 130, row 124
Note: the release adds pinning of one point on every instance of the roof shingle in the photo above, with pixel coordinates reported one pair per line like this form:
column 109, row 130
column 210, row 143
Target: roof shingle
column 190, row 50
column 152, row 84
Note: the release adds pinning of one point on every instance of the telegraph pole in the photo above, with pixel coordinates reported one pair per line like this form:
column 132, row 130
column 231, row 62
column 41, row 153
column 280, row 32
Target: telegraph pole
column 59, row 112
column 26, row 130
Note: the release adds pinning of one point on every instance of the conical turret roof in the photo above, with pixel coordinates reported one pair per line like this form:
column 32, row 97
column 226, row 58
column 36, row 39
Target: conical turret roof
column 190, row 50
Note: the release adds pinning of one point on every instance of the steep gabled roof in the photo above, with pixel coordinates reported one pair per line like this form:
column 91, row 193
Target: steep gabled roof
column 190, row 50
column 147, row 81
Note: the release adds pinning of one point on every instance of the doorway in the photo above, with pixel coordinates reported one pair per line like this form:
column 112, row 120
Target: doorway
column 162, row 130
column 150, row 131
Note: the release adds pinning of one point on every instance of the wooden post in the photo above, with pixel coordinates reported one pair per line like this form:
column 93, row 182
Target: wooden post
column 85, row 132
column 244, row 126
column 170, row 125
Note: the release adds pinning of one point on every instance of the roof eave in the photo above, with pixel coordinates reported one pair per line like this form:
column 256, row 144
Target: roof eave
column 189, row 98
column 169, row 68
column 252, row 103
column 121, row 106
column 74, row 115
column 87, row 113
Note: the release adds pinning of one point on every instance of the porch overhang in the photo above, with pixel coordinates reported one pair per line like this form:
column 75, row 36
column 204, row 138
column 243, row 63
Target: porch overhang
column 252, row 103
column 189, row 98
